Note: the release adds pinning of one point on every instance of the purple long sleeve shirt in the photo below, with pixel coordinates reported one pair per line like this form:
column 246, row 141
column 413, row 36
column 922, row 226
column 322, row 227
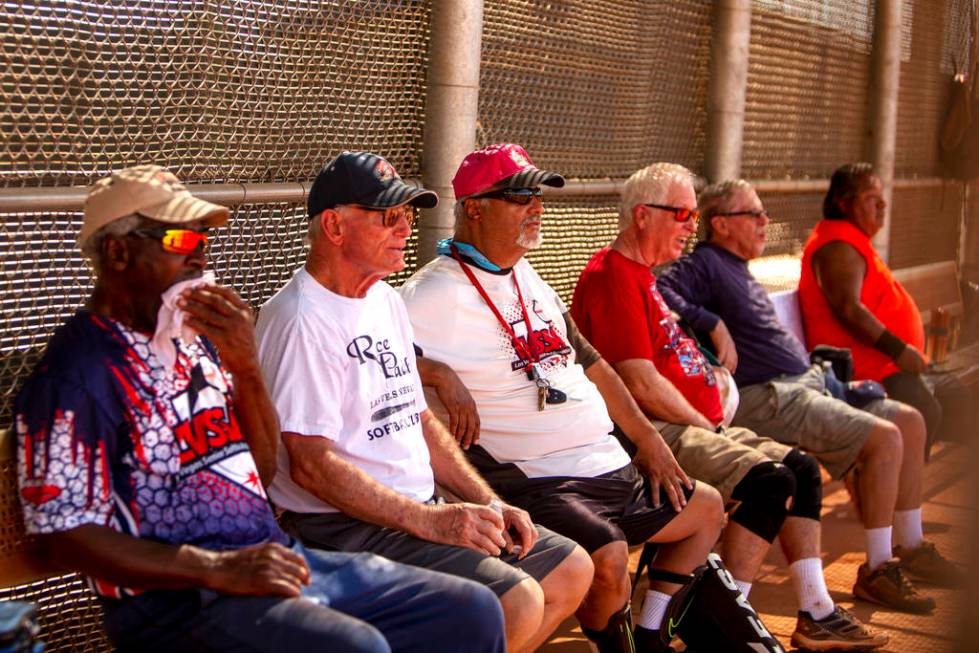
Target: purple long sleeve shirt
column 712, row 283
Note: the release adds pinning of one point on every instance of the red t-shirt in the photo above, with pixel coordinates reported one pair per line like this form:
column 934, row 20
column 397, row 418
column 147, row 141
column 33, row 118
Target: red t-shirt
column 618, row 309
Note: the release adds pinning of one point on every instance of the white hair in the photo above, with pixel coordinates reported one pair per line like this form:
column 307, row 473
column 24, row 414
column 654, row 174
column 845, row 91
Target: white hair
column 650, row 185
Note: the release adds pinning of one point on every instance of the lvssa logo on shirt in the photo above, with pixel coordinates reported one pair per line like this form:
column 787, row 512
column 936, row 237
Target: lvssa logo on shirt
column 547, row 340
column 366, row 349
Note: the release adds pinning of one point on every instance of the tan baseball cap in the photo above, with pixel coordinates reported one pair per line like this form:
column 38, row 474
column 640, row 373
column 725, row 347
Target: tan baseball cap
column 151, row 191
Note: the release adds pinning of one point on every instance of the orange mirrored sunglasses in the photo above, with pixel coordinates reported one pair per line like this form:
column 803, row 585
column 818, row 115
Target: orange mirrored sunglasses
column 176, row 241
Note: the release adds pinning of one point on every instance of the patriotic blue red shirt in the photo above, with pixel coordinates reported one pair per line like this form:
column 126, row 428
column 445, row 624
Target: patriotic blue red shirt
column 107, row 436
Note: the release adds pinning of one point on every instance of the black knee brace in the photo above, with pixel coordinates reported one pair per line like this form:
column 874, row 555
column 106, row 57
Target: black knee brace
column 808, row 485
column 764, row 492
column 616, row 637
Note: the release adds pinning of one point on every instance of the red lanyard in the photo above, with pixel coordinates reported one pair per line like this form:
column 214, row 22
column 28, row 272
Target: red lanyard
column 524, row 349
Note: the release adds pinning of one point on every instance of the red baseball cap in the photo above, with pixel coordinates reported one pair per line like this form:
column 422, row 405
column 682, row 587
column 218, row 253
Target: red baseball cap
column 504, row 165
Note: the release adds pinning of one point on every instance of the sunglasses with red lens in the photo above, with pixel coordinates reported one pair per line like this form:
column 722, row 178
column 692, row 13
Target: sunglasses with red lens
column 521, row 196
column 175, row 241
column 679, row 214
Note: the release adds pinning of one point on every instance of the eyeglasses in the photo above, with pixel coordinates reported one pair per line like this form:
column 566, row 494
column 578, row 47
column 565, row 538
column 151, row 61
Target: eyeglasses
column 521, row 196
column 175, row 241
column 679, row 214
column 753, row 214
column 390, row 217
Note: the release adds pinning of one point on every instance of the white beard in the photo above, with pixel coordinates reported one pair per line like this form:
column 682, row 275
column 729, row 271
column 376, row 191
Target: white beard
column 528, row 241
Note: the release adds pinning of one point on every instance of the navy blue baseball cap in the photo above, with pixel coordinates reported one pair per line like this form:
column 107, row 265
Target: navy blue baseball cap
column 366, row 180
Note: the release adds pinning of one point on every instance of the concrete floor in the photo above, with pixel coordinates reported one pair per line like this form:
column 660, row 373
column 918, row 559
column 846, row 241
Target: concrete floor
column 948, row 516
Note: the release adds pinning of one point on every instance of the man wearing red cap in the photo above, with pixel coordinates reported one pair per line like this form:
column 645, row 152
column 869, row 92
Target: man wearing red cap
column 545, row 397
column 361, row 452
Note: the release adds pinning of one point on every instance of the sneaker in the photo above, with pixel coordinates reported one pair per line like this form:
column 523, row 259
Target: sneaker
column 889, row 586
column 839, row 630
column 926, row 564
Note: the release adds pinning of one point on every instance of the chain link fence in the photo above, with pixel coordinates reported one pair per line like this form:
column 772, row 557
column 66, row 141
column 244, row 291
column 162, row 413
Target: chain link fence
column 924, row 94
column 265, row 91
column 808, row 73
column 217, row 91
column 597, row 89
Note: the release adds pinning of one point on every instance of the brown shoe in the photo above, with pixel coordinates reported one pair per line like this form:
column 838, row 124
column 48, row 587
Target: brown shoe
column 889, row 586
column 926, row 564
column 838, row 631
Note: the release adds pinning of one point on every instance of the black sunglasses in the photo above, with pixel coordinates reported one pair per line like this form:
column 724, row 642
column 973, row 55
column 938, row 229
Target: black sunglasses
column 679, row 214
column 522, row 196
column 754, row 214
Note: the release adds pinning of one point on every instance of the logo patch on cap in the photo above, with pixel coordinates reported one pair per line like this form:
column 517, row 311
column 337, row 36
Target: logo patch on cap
column 384, row 171
column 519, row 158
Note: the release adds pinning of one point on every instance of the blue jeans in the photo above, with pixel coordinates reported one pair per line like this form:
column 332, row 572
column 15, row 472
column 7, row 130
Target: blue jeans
column 356, row 602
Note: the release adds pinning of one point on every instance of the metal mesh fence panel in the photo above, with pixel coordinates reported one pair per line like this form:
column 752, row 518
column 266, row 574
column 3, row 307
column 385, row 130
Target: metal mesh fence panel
column 924, row 90
column 808, row 71
column 68, row 612
column 793, row 215
column 925, row 225
column 596, row 89
column 255, row 90
column 573, row 229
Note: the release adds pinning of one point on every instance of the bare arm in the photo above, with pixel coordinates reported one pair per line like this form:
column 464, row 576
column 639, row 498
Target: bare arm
column 452, row 392
column 840, row 271
column 454, row 472
column 657, row 397
column 259, row 570
column 318, row 470
column 451, row 468
column 227, row 321
column 652, row 454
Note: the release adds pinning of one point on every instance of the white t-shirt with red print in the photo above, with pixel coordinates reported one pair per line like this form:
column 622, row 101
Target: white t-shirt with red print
column 453, row 325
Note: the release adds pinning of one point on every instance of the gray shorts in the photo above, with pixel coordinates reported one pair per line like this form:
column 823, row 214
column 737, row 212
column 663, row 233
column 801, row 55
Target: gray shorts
column 720, row 459
column 339, row 532
column 795, row 410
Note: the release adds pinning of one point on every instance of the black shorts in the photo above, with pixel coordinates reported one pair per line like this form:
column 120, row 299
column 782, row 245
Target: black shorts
column 339, row 532
column 592, row 511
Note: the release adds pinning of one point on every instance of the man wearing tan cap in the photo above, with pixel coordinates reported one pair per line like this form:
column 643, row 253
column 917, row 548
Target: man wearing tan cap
column 146, row 438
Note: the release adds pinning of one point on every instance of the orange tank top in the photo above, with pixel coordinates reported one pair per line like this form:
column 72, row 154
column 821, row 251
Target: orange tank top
column 882, row 294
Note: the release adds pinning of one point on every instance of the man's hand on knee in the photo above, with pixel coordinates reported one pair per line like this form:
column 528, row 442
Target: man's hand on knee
column 469, row 525
column 258, row 570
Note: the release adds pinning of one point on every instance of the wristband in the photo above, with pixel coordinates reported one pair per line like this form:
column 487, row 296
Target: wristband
column 890, row 345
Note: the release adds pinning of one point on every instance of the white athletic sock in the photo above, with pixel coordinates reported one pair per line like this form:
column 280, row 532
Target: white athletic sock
column 878, row 546
column 653, row 610
column 744, row 586
column 907, row 528
column 810, row 587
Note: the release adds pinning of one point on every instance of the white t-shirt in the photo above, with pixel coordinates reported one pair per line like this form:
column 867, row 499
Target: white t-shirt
column 344, row 369
column 454, row 325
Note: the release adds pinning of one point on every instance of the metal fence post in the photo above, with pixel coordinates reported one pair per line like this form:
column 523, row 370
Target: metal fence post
column 885, row 76
column 451, row 109
column 728, row 85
